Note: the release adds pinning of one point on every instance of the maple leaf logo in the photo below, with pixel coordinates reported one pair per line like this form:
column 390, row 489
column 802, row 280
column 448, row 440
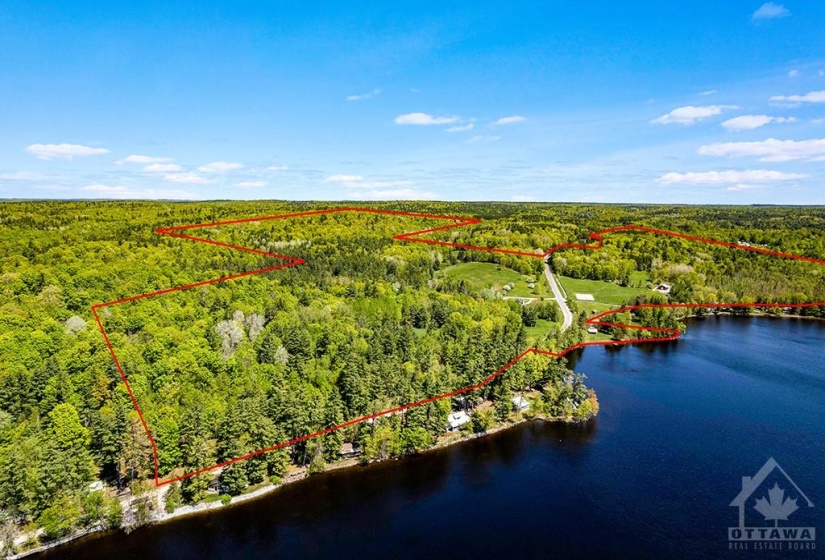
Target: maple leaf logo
column 776, row 507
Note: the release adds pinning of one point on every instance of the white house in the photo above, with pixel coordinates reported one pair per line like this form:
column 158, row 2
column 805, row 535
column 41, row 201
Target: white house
column 520, row 403
column 457, row 419
column 663, row 288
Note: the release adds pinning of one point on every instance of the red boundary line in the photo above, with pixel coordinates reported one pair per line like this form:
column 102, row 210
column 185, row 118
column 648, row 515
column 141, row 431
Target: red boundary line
column 414, row 237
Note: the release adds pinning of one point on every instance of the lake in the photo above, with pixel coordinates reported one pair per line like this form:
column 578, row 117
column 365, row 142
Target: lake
column 652, row 477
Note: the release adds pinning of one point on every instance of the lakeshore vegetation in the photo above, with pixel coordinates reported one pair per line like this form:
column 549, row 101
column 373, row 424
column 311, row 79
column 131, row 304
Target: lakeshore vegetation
column 366, row 324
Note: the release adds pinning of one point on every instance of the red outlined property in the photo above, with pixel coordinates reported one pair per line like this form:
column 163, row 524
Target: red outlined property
column 663, row 334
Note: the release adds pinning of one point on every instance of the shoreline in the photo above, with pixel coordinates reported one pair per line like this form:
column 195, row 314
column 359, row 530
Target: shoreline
column 757, row 315
column 161, row 516
column 300, row 473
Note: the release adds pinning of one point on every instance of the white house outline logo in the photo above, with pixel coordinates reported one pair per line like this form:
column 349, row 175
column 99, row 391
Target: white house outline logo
column 774, row 506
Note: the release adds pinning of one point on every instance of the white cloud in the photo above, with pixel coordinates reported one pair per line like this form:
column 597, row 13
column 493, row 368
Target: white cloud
column 793, row 74
column 730, row 176
column 508, row 120
column 708, row 92
column 344, row 178
column 522, row 198
column 161, row 168
column 393, row 194
column 135, row 158
column 24, row 176
column 690, row 115
column 380, row 184
column 220, row 167
column 812, row 97
column 461, row 128
column 769, row 150
column 744, row 187
column 363, row 96
column 483, row 138
column 105, row 191
column 770, row 10
column 424, row 119
column 749, row 122
column 818, row 121
column 357, row 181
column 276, row 168
column 250, row 184
column 63, row 151
column 186, row 178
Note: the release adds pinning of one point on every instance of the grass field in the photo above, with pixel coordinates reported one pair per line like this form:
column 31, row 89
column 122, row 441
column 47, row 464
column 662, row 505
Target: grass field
column 639, row 279
column 598, row 336
column 480, row 276
column 593, row 307
column 606, row 294
column 538, row 332
column 603, row 292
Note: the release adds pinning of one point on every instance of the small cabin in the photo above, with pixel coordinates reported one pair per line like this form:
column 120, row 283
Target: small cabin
column 348, row 450
column 457, row 419
column 520, row 403
column 663, row 288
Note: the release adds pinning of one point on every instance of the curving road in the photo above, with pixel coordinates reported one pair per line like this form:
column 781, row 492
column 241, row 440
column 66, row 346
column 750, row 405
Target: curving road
column 562, row 301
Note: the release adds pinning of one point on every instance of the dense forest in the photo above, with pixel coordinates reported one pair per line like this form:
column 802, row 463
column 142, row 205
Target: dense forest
column 365, row 325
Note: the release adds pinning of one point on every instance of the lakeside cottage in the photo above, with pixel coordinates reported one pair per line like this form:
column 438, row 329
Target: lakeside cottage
column 348, row 450
column 663, row 288
column 520, row 403
column 457, row 419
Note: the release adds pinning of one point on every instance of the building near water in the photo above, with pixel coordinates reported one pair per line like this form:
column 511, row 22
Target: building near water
column 520, row 403
column 457, row 419
column 348, row 450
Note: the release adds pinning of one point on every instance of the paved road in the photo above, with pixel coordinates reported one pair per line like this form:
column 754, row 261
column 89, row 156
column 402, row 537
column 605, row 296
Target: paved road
column 565, row 311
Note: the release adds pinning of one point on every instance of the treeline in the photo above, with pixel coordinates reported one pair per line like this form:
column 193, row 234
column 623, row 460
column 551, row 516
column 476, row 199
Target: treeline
column 228, row 369
column 365, row 325
column 703, row 273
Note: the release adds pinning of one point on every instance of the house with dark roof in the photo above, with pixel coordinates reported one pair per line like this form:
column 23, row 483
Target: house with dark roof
column 348, row 450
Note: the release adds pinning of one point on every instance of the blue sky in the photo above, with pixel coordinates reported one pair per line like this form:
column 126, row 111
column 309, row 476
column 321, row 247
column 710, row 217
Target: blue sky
column 689, row 101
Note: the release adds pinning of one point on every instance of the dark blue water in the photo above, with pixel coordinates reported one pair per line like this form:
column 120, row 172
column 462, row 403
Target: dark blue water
column 651, row 477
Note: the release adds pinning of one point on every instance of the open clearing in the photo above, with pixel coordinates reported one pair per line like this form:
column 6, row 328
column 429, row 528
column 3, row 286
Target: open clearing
column 480, row 276
column 602, row 292
column 541, row 329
